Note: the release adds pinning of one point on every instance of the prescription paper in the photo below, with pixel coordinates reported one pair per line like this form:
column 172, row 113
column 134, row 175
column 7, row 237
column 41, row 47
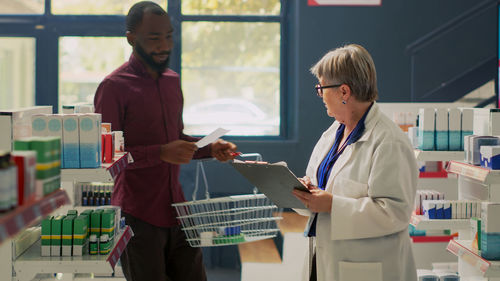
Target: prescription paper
column 213, row 136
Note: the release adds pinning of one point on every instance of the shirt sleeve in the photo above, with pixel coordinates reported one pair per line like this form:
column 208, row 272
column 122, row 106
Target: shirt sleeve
column 388, row 206
column 112, row 107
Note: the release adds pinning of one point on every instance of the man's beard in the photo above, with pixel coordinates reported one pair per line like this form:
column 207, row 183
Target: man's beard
column 148, row 59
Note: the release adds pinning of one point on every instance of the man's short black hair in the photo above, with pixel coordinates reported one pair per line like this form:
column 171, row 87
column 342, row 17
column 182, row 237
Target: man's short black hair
column 136, row 12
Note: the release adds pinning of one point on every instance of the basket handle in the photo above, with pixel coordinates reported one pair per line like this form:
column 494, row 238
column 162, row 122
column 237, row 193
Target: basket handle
column 201, row 169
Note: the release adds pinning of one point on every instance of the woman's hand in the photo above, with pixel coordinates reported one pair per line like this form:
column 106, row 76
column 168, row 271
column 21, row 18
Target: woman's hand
column 317, row 201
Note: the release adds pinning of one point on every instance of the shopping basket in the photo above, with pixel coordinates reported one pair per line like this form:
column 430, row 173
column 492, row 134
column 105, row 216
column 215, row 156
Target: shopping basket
column 227, row 220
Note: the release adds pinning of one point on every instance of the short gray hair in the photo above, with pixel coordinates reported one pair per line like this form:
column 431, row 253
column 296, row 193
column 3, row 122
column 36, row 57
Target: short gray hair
column 352, row 65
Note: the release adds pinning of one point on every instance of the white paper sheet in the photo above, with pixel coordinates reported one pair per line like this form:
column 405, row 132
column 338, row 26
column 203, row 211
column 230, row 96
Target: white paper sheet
column 213, row 136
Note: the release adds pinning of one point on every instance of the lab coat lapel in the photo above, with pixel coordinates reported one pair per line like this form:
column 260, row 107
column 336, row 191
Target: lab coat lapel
column 370, row 121
column 341, row 162
column 324, row 148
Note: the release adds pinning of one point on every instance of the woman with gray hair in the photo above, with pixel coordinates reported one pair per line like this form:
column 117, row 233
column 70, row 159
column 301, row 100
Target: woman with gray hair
column 362, row 177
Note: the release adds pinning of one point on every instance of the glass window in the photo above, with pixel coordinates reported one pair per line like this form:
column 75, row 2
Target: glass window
column 17, row 72
column 231, row 7
column 96, row 7
column 84, row 62
column 22, row 7
column 231, row 77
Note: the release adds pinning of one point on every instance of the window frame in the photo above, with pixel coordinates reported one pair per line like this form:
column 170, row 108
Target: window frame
column 47, row 28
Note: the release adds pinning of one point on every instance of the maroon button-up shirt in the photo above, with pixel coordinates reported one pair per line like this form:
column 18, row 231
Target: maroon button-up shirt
column 149, row 112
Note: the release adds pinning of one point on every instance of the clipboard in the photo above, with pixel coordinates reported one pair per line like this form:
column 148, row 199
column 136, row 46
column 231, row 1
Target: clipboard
column 276, row 181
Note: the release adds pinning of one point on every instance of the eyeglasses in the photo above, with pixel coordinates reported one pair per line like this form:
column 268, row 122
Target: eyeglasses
column 319, row 89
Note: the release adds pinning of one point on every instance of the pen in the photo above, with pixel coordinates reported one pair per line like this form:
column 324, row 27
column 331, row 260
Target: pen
column 235, row 153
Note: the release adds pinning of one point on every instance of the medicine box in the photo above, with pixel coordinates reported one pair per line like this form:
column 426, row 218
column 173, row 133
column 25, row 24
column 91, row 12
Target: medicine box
column 90, row 140
column 490, row 157
column 490, row 230
column 67, row 236
column 56, row 236
column 80, row 235
column 467, row 124
column 476, row 142
column 426, row 130
column 109, row 147
column 95, row 222
column 454, row 129
column 26, row 174
column 46, row 236
column 54, row 124
column 441, row 129
column 108, row 223
column 71, row 142
column 16, row 124
column 486, row 122
column 490, row 212
column 39, row 126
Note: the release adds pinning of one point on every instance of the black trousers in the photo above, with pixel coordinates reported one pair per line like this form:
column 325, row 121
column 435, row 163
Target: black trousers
column 313, row 276
column 160, row 254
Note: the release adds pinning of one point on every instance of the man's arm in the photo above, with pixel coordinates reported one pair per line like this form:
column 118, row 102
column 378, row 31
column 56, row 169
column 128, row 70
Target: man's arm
column 112, row 107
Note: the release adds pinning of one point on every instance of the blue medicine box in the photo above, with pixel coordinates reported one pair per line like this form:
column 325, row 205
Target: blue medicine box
column 490, row 157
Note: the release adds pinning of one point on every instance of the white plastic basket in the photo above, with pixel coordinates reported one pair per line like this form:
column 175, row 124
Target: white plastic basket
column 227, row 220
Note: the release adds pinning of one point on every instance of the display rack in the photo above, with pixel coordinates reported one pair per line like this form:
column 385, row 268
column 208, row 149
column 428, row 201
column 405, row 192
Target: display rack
column 107, row 173
column 487, row 268
column 24, row 216
column 31, row 262
column 423, row 223
column 483, row 175
column 423, row 155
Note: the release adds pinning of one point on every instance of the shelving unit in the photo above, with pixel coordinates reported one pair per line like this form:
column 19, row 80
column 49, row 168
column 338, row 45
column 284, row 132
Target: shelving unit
column 107, row 173
column 482, row 175
column 423, row 223
column 488, row 269
column 24, row 216
column 431, row 249
column 474, row 183
column 31, row 262
column 423, row 155
column 26, row 265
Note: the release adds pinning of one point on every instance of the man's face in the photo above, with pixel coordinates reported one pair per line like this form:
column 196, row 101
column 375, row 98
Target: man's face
column 152, row 40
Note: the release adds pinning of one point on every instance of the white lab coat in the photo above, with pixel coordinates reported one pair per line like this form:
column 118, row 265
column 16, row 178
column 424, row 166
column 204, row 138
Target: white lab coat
column 373, row 182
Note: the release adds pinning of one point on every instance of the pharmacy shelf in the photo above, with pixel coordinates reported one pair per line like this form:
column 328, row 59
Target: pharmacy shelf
column 487, row 268
column 107, row 173
column 423, row 223
column 423, row 155
column 483, row 175
column 31, row 262
column 24, row 216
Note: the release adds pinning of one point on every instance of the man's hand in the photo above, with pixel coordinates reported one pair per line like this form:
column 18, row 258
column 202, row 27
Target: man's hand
column 178, row 152
column 223, row 150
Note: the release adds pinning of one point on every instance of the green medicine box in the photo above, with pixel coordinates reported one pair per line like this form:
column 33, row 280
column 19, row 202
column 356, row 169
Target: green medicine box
column 56, row 235
column 67, row 236
column 80, row 235
column 88, row 213
column 95, row 223
column 72, row 212
column 46, row 236
column 108, row 223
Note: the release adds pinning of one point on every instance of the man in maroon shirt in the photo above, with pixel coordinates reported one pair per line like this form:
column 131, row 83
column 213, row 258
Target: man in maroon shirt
column 143, row 98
